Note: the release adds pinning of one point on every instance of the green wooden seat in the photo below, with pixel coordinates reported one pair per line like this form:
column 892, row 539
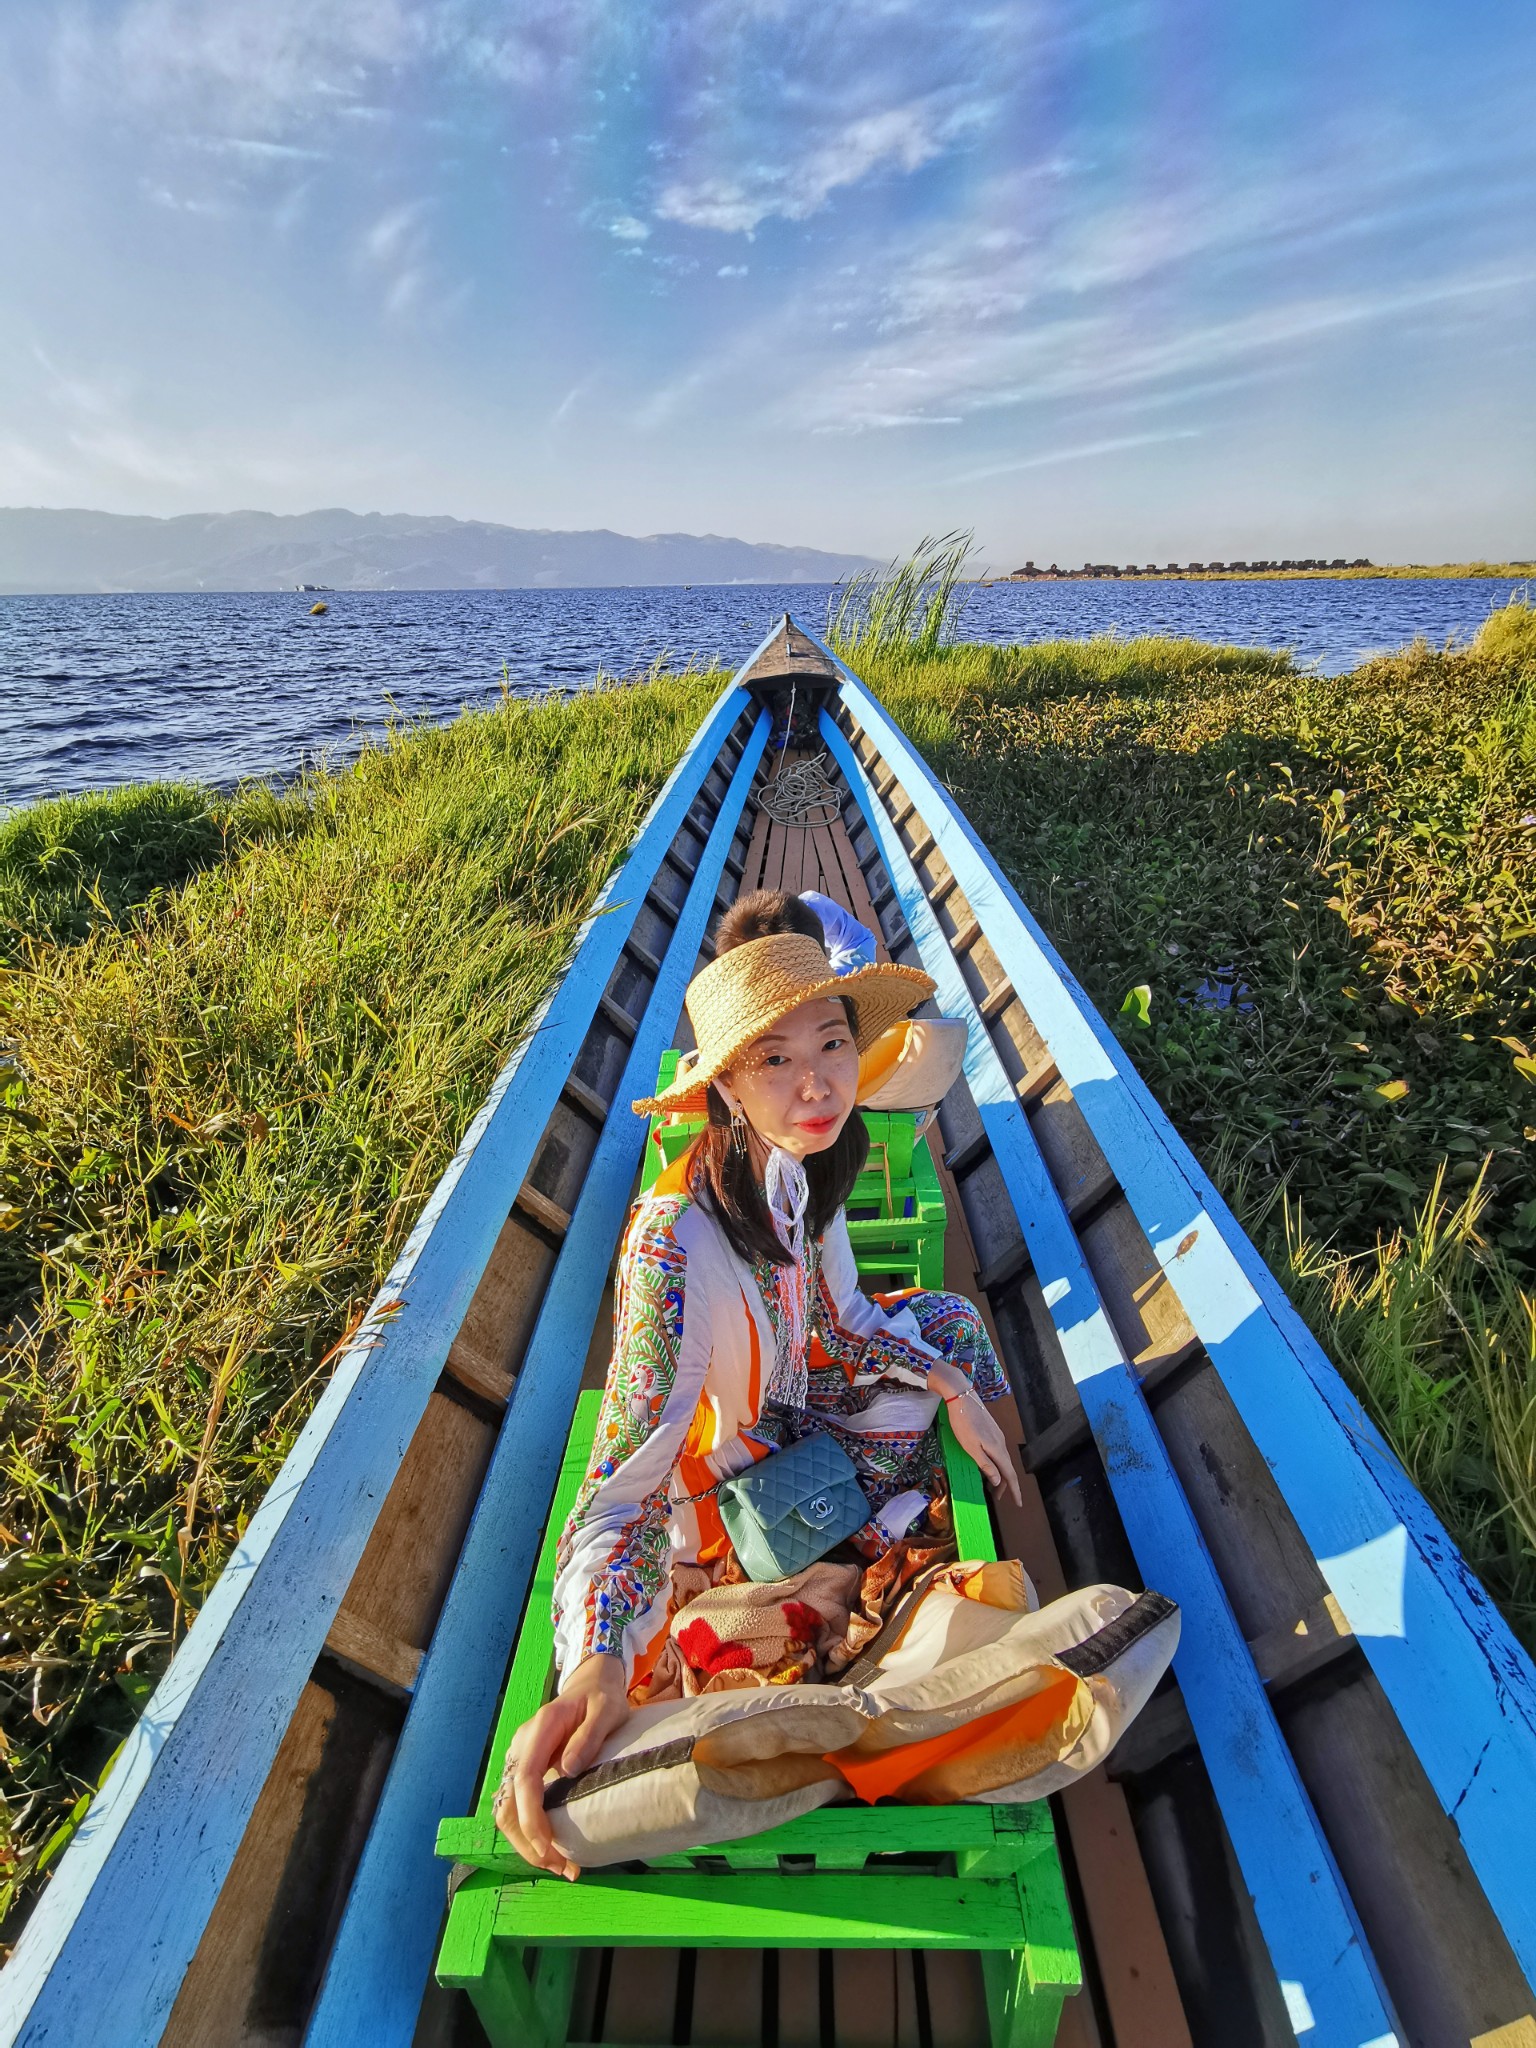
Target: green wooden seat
column 978, row 1878
column 896, row 1212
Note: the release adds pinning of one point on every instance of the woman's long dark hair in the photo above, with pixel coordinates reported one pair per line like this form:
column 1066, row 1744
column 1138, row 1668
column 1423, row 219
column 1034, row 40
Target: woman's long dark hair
column 721, row 1177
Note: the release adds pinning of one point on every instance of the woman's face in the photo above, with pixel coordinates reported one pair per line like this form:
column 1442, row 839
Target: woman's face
column 796, row 1083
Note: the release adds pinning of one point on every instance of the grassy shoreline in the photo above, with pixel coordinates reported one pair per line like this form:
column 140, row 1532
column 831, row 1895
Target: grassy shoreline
column 242, row 1034
column 1419, row 571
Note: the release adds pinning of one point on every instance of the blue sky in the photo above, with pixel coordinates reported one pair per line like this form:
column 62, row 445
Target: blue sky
column 1116, row 281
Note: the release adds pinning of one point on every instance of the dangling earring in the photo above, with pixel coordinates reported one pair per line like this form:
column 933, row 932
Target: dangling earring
column 739, row 1132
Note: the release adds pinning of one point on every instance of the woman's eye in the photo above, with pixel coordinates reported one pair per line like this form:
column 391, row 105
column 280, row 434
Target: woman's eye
column 834, row 1044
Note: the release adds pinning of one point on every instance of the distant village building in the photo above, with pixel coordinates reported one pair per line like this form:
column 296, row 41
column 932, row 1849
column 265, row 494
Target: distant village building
column 1293, row 565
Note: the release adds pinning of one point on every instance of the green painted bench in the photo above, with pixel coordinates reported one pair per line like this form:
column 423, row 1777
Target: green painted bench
column 982, row 1878
column 896, row 1213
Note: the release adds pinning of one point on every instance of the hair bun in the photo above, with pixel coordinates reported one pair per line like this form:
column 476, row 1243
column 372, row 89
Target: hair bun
column 766, row 914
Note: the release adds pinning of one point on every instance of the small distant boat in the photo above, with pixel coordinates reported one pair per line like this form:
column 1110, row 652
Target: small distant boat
column 1322, row 1824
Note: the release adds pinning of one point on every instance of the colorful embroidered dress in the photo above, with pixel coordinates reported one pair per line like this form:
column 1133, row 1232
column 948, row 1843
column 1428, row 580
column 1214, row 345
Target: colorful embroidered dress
column 697, row 1331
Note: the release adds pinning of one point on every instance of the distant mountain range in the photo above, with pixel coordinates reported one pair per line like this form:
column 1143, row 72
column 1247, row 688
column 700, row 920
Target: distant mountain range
column 42, row 550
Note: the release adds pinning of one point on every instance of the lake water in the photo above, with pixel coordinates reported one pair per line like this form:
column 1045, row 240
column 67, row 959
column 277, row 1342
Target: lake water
column 99, row 690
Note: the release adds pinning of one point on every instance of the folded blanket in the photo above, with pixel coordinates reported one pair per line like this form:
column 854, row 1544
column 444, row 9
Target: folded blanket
column 728, row 1633
column 966, row 1697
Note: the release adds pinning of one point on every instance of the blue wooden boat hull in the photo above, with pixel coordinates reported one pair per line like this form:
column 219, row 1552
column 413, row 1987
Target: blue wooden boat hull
column 1335, row 1801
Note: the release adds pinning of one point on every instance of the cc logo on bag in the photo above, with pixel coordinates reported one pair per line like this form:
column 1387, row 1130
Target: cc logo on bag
column 819, row 1509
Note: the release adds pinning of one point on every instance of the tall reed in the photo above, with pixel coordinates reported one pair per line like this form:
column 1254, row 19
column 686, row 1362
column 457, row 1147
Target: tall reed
column 913, row 604
column 1435, row 1332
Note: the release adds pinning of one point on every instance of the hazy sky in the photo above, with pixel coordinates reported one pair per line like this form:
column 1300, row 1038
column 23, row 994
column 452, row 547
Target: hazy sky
column 1164, row 278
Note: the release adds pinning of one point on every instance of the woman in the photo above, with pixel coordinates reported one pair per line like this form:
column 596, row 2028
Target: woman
column 739, row 1327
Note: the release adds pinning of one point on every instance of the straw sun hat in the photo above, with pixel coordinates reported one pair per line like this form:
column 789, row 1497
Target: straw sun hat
column 744, row 992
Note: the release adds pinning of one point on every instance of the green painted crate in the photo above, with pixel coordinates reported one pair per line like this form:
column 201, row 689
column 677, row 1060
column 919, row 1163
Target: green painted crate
column 994, row 1884
column 896, row 1212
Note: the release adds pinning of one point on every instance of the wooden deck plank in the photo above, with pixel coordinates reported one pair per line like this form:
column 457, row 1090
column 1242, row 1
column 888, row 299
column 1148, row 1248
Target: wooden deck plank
column 799, row 1997
column 1462, row 1688
column 642, row 1996
column 1312, row 1931
column 870, row 2010
column 957, row 2000
column 829, row 875
column 757, row 847
column 788, row 841
column 789, row 873
column 773, row 856
column 798, row 845
column 856, row 898
column 727, row 1998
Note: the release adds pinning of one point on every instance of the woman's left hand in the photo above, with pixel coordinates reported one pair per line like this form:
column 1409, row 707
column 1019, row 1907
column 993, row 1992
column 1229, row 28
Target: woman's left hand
column 976, row 1432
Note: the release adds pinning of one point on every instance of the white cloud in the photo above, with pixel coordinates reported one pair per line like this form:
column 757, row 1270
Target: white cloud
column 98, row 438
column 257, row 149
column 902, row 138
column 732, row 270
column 261, row 68
column 1026, row 299
column 180, row 202
column 871, row 422
column 396, row 234
column 627, row 229
column 562, row 411
column 397, row 250
column 1081, row 453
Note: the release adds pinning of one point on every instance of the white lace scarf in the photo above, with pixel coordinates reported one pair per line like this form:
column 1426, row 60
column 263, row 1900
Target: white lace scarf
column 788, row 1191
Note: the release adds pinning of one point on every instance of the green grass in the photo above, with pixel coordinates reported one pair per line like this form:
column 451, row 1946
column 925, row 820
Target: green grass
column 74, row 862
column 245, row 1035
column 1439, row 1340
column 1309, row 903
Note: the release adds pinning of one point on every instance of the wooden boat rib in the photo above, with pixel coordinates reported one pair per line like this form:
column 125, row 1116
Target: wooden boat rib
column 1319, row 1829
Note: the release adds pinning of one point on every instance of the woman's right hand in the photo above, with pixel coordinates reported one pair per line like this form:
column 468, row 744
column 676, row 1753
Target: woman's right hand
column 570, row 1730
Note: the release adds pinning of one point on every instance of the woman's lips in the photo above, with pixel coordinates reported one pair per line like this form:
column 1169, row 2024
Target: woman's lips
column 816, row 1125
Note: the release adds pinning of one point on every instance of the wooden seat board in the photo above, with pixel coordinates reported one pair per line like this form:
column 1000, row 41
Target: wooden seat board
column 870, row 1909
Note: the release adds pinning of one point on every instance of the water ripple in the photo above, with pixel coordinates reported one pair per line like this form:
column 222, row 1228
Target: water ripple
column 114, row 688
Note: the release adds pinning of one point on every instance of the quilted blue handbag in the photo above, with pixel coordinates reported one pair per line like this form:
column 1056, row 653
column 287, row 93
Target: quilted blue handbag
column 792, row 1508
